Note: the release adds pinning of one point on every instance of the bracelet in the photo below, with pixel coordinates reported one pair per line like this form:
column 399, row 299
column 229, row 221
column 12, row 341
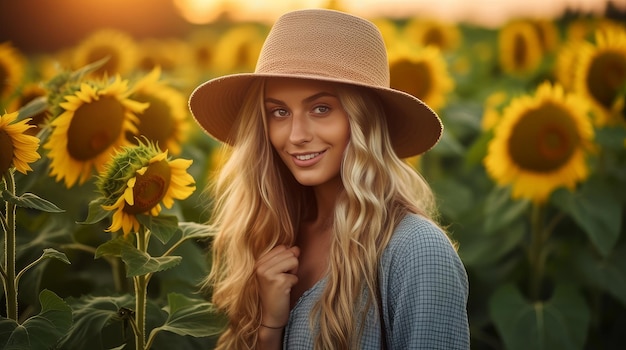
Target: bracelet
column 262, row 325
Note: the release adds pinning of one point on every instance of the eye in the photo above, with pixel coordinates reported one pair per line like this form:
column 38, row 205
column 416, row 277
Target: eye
column 278, row 113
column 321, row 109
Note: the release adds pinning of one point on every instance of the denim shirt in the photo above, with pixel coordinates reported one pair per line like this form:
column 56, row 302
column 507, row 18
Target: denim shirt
column 423, row 288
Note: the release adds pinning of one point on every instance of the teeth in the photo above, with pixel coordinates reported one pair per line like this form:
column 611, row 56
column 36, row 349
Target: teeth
column 307, row 156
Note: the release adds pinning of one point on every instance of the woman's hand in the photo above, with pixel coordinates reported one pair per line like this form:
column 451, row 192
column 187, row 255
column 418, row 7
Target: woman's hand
column 276, row 274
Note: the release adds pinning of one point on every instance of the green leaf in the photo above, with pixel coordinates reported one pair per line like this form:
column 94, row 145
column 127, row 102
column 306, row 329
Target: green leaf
column 484, row 249
column 596, row 209
column 193, row 230
column 162, row 227
column 611, row 137
column 34, row 107
column 40, row 331
column 140, row 263
column 477, row 151
column 30, row 200
column 115, row 246
column 501, row 210
column 50, row 253
column 97, row 322
column 187, row 316
column 607, row 274
column 448, row 145
column 96, row 213
column 559, row 323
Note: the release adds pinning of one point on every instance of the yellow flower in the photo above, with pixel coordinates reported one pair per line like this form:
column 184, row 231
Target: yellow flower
column 17, row 149
column 27, row 94
column 566, row 62
column 170, row 55
column 519, row 46
column 11, row 69
column 388, row 29
column 445, row 36
column 541, row 143
column 547, row 32
column 492, row 109
column 238, row 49
column 601, row 75
column 202, row 43
column 138, row 180
column 421, row 72
column 119, row 47
column 165, row 121
column 93, row 124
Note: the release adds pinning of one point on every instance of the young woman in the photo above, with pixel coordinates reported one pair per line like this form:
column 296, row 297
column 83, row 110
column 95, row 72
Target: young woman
column 327, row 238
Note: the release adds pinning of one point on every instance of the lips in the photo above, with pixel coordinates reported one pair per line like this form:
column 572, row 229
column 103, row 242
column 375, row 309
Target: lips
column 307, row 156
column 306, row 159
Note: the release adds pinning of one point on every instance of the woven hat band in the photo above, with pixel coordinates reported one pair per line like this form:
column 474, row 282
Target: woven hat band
column 324, row 49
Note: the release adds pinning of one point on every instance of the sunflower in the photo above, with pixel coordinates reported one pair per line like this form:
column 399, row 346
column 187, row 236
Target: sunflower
column 11, row 69
column 119, row 47
column 421, row 72
column 388, row 29
column 541, row 143
column 165, row 120
column 202, row 44
column 443, row 35
column 238, row 48
column 567, row 59
column 137, row 180
column 93, row 123
column 168, row 54
column 493, row 106
column 17, row 149
column 27, row 94
column 520, row 48
column 548, row 34
column 601, row 75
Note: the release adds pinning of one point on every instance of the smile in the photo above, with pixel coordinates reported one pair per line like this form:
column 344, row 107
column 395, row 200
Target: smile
column 307, row 156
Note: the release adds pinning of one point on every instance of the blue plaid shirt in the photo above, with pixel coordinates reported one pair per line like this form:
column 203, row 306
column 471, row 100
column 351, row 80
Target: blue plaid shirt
column 424, row 289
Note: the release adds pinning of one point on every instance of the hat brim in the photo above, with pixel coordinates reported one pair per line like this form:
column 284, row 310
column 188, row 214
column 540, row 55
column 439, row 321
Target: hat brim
column 413, row 126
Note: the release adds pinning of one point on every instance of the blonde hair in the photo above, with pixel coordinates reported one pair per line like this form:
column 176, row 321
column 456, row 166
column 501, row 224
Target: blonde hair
column 260, row 205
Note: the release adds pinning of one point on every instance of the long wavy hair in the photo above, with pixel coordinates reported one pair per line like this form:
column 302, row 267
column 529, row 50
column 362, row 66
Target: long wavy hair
column 258, row 205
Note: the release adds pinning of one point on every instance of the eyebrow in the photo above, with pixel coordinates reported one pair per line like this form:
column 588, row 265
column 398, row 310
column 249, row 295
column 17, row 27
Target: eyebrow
column 306, row 100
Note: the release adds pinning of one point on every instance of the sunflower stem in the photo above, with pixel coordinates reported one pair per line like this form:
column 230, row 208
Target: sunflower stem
column 10, row 287
column 141, row 288
column 536, row 254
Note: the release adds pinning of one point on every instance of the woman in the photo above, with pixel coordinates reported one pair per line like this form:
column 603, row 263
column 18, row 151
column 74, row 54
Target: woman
column 327, row 239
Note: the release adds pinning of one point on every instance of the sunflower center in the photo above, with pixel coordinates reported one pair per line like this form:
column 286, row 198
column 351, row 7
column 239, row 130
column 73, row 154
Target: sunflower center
column 4, row 79
column 434, row 37
column 6, row 152
column 412, row 78
column 94, row 128
column 544, row 139
column 112, row 65
column 607, row 74
column 150, row 188
column 156, row 121
column 520, row 50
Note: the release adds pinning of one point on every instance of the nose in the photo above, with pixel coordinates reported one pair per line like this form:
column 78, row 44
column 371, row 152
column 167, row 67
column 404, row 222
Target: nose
column 300, row 129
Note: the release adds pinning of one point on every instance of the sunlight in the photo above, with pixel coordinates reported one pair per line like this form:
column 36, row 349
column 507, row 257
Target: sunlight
column 482, row 12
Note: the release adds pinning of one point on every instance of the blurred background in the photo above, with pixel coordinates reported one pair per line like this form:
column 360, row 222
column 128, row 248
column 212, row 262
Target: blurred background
column 44, row 25
column 530, row 174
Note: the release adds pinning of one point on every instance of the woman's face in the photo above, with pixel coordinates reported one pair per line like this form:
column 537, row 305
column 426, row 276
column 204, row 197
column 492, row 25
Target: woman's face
column 308, row 127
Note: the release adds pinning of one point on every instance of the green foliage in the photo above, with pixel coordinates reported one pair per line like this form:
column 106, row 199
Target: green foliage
column 39, row 331
column 559, row 323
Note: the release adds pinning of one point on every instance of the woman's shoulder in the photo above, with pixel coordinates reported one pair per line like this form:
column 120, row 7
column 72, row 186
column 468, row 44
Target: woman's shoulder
column 419, row 238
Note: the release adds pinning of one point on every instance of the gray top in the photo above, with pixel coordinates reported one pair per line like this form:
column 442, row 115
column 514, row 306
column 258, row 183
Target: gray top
column 424, row 289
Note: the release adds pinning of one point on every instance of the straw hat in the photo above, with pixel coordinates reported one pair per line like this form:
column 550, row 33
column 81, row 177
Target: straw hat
column 322, row 45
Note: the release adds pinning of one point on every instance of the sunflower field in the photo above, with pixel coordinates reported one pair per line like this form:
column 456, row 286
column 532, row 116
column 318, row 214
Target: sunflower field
column 105, row 241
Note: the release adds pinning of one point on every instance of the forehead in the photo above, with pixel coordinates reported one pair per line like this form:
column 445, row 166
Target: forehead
column 281, row 85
